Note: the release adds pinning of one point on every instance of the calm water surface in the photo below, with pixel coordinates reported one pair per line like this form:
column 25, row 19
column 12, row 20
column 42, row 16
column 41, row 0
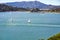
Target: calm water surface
column 14, row 25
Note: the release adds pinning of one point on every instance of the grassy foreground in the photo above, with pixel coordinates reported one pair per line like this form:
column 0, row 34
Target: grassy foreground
column 55, row 37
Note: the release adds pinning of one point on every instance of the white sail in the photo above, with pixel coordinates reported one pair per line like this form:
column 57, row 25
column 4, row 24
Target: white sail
column 29, row 21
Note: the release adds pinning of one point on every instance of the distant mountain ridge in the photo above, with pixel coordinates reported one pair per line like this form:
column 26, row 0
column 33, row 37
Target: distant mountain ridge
column 28, row 6
column 31, row 4
column 4, row 8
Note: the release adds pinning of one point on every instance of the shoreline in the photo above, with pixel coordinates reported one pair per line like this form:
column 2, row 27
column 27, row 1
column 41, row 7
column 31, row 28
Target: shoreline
column 33, row 12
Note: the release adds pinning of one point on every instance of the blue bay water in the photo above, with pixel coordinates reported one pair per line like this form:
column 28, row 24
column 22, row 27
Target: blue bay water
column 14, row 25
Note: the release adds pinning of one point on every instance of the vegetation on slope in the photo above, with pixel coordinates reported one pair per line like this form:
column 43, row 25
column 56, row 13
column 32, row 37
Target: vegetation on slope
column 4, row 7
column 55, row 37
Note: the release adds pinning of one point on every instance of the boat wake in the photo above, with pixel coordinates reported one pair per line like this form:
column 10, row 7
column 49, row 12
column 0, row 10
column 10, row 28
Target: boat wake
column 34, row 25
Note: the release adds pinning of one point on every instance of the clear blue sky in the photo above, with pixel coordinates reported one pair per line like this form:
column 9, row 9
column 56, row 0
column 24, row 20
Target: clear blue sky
column 53, row 2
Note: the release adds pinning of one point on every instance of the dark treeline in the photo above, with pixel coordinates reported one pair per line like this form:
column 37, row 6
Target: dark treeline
column 4, row 7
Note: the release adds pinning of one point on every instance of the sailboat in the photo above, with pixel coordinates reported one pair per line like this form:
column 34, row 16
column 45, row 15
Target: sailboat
column 29, row 21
